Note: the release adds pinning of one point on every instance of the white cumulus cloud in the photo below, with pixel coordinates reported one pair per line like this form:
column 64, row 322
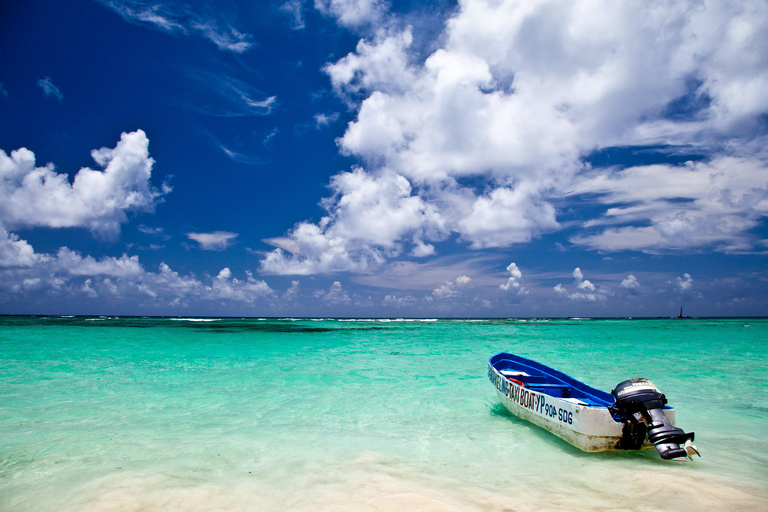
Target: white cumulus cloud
column 353, row 13
column 15, row 252
column 292, row 293
column 336, row 295
column 514, row 282
column 586, row 291
column 452, row 288
column 33, row 196
column 68, row 274
column 630, row 283
column 406, row 301
column 73, row 263
column 493, row 127
column 382, row 64
column 226, row 287
column 368, row 216
column 685, row 283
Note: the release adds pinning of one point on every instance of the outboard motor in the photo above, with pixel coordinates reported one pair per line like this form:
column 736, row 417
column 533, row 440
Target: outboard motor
column 640, row 405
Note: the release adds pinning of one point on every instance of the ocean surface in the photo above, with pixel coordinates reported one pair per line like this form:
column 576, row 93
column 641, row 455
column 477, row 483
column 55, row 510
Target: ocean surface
column 171, row 414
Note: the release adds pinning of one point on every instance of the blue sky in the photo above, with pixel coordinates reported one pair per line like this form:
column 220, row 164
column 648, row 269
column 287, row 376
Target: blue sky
column 384, row 159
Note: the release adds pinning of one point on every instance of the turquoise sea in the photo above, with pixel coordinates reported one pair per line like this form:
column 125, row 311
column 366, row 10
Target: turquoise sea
column 161, row 414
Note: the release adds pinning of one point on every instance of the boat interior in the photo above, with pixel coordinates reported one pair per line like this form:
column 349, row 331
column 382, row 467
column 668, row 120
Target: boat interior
column 545, row 380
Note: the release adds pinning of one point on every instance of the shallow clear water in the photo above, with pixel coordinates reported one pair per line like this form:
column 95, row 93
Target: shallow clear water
column 127, row 414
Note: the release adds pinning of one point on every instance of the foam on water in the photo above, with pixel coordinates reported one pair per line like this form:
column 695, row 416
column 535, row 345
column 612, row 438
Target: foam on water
column 195, row 319
column 150, row 414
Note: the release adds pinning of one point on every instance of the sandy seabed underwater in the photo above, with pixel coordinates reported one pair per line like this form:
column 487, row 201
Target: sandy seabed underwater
column 160, row 414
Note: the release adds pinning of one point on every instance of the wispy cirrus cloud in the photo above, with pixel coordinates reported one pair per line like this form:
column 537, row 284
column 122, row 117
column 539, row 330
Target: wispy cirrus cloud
column 157, row 232
column 231, row 97
column 215, row 241
column 49, row 89
column 663, row 208
column 323, row 120
column 182, row 18
column 294, row 10
column 243, row 157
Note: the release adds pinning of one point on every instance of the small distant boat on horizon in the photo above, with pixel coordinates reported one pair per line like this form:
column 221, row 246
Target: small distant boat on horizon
column 633, row 416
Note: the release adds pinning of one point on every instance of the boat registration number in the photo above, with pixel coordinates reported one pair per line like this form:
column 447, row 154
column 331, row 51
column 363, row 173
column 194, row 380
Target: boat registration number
column 552, row 411
column 530, row 399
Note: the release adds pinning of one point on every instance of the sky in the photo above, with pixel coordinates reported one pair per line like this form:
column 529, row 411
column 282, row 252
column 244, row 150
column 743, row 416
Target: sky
column 369, row 158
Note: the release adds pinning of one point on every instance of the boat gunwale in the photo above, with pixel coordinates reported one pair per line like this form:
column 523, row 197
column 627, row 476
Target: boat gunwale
column 600, row 397
column 587, row 426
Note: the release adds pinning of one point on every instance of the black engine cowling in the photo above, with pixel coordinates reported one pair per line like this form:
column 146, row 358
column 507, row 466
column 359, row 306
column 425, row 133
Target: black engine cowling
column 640, row 405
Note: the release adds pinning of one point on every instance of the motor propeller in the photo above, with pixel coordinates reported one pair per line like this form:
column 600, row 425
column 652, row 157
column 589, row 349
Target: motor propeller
column 640, row 405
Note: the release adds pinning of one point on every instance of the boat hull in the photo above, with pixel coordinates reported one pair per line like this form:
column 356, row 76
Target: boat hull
column 590, row 428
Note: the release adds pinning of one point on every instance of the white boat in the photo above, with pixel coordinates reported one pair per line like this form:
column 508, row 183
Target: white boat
column 633, row 416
